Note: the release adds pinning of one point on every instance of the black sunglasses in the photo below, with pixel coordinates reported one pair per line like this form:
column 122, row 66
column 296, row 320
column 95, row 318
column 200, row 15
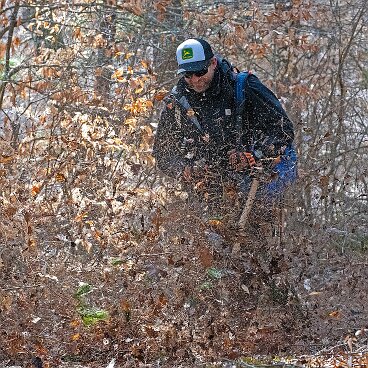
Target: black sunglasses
column 199, row 73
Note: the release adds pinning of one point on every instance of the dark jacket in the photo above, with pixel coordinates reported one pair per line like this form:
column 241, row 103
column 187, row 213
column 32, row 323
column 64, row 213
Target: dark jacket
column 180, row 142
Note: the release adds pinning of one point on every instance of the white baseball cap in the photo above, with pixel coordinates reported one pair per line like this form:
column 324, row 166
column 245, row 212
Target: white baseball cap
column 193, row 55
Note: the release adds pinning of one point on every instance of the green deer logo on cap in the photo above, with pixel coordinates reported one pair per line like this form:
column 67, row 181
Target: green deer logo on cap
column 187, row 54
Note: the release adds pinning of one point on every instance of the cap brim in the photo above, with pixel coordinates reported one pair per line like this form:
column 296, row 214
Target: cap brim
column 193, row 67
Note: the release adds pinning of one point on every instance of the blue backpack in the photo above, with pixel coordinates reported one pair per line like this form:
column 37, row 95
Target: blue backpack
column 286, row 169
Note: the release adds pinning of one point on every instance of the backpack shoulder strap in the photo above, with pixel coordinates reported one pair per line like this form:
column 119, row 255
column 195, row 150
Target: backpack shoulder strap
column 240, row 97
column 239, row 79
column 182, row 102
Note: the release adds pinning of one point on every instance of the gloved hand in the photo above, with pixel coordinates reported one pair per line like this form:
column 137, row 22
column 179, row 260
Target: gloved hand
column 240, row 161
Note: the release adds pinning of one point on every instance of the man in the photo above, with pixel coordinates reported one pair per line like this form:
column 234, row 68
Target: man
column 199, row 141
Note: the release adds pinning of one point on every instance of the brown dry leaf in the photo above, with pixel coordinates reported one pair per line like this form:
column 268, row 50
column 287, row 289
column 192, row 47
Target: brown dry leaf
column 137, row 352
column 6, row 302
column 10, row 211
column 99, row 41
column 266, row 330
column 200, row 185
column 160, row 95
column 59, row 177
column 31, row 243
column 349, row 341
column 149, row 104
column 74, row 323
column 335, row 314
column 118, row 74
column 75, row 337
column 136, row 9
column 190, row 113
column 157, row 220
column 27, row 217
column 16, row 41
column 206, row 257
column 87, row 246
column 221, row 11
column 315, row 293
column 227, row 342
column 214, row 222
column 128, row 55
column 125, row 306
column 151, row 332
column 240, row 32
column 138, row 90
column 42, row 119
column 40, row 349
column 236, row 249
column 77, row 32
column 2, row 49
column 324, row 181
column 364, row 361
column 170, row 260
column 162, row 299
column 306, row 15
column 97, row 234
column 161, row 6
column 81, row 216
column 35, row 190
column 131, row 122
column 6, row 159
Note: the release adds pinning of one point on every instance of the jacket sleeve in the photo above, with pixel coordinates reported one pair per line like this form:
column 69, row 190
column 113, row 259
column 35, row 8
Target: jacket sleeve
column 166, row 148
column 271, row 127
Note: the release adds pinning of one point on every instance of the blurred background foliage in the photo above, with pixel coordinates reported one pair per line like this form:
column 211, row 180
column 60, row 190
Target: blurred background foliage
column 81, row 85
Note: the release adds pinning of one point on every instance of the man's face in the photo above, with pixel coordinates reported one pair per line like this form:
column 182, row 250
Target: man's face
column 201, row 83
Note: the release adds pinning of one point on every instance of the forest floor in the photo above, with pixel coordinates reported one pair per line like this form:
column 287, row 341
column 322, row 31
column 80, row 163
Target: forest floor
column 185, row 292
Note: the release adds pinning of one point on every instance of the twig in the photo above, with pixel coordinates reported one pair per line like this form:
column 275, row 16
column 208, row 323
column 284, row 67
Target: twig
column 21, row 287
column 154, row 254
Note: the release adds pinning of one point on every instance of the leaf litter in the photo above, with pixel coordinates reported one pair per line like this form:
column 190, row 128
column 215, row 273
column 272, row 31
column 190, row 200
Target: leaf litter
column 182, row 298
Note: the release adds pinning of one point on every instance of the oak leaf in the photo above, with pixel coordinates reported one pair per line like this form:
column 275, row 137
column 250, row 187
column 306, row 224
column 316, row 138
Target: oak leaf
column 206, row 257
column 35, row 190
